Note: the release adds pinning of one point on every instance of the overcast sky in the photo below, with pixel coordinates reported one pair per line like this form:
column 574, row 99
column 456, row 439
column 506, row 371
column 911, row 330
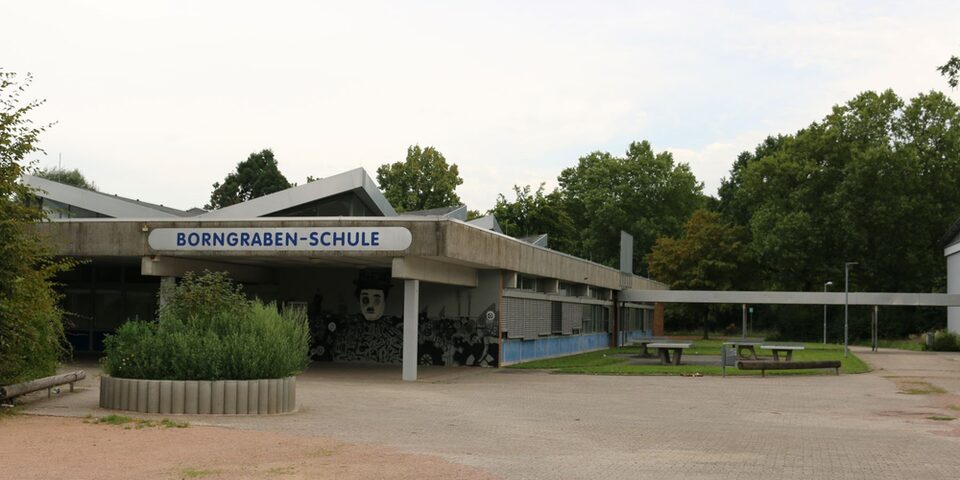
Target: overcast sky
column 158, row 100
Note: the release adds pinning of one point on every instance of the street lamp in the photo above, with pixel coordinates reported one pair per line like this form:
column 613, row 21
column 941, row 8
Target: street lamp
column 825, row 285
column 846, row 307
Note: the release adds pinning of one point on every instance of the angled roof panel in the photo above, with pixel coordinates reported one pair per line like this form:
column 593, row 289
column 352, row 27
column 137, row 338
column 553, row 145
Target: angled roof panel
column 487, row 222
column 102, row 203
column 355, row 180
column 459, row 212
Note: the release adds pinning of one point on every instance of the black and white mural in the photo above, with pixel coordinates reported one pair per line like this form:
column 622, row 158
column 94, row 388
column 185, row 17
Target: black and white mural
column 443, row 341
column 372, row 336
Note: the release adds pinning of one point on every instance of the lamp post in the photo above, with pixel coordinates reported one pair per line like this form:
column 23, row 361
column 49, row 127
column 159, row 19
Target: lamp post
column 846, row 307
column 825, row 285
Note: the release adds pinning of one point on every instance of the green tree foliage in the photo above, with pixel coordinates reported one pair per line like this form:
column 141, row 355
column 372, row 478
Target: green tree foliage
column 31, row 328
column 644, row 193
column 536, row 213
column 876, row 181
column 67, row 177
column 951, row 70
column 254, row 177
column 421, row 182
column 710, row 254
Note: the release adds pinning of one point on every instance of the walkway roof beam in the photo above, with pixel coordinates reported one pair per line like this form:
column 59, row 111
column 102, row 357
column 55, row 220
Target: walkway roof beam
column 791, row 298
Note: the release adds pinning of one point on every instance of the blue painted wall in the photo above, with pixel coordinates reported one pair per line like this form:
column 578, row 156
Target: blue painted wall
column 516, row 350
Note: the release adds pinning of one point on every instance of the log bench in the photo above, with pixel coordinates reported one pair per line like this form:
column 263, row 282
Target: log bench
column 9, row 392
column 764, row 365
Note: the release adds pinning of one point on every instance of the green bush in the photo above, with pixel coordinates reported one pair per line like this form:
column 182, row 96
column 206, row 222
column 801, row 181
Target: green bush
column 31, row 324
column 944, row 341
column 208, row 330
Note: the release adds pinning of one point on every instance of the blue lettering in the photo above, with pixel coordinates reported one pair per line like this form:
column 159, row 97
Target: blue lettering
column 353, row 239
column 291, row 239
column 205, row 239
column 244, row 239
column 267, row 239
column 314, row 239
column 193, row 239
column 181, row 239
column 255, row 240
column 375, row 239
column 324, row 238
column 364, row 241
column 232, row 239
column 218, row 239
column 338, row 238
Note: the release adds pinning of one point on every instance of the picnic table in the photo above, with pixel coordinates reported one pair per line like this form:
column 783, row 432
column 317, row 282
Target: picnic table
column 645, row 342
column 785, row 348
column 745, row 347
column 664, row 348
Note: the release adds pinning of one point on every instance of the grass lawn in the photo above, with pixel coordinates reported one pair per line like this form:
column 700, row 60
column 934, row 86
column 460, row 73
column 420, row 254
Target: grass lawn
column 607, row 362
column 902, row 344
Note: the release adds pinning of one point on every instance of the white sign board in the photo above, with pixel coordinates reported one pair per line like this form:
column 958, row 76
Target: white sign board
column 267, row 239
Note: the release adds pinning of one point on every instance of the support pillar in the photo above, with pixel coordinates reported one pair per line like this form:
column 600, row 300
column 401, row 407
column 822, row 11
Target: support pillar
column 744, row 334
column 411, row 312
column 167, row 284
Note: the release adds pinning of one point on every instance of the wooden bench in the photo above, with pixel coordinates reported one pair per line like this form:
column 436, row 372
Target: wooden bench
column 764, row 365
column 664, row 348
column 9, row 392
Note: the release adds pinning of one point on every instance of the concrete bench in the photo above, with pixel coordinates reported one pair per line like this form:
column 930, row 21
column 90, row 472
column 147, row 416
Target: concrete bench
column 664, row 348
column 645, row 342
column 764, row 365
column 778, row 348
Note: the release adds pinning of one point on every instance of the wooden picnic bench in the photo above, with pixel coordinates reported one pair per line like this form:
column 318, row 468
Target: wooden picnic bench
column 645, row 342
column 764, row 365
column 664, row 348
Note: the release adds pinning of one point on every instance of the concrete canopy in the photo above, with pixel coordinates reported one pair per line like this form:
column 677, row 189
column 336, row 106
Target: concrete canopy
column 107, row 205
column 354, row 181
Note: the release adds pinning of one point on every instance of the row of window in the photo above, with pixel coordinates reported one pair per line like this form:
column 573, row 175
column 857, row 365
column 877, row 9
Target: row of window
column 567, row 289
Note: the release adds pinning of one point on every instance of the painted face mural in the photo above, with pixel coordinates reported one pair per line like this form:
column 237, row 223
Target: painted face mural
column 371, row 303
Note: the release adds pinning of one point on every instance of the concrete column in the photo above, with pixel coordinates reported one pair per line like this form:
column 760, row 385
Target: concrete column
column 166, row 284
column 953, row 286
column 411, row 312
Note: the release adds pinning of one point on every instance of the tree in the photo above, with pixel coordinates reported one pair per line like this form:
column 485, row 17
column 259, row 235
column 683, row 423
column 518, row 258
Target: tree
column 951, row 70
column 876, row 181
column 710, row 254
column 536, row 213
column 254, row 177
column 643, row 193
column 31, row 327
column 67, row 177
column 421, row 182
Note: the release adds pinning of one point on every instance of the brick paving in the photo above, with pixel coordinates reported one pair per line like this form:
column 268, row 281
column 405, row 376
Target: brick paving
column 536, row 425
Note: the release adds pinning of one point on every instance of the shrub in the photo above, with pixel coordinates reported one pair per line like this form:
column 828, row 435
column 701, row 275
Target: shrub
column 31, row 327
column 208, row 330
column 944, row 341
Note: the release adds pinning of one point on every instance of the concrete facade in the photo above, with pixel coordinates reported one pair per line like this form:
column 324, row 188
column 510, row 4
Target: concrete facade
column 457, row 293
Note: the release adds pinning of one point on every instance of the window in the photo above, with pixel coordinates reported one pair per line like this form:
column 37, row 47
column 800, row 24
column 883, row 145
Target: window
column 527, row 283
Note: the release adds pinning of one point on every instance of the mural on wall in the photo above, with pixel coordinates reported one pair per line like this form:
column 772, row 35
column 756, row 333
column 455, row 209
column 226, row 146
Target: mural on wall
column 371, row 336
column 443, row 341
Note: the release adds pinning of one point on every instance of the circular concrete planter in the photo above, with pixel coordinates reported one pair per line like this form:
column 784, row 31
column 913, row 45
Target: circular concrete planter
column 217, row 397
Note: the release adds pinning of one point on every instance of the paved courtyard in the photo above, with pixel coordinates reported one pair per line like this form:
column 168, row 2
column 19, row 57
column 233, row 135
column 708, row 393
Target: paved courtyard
column 532, row 425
